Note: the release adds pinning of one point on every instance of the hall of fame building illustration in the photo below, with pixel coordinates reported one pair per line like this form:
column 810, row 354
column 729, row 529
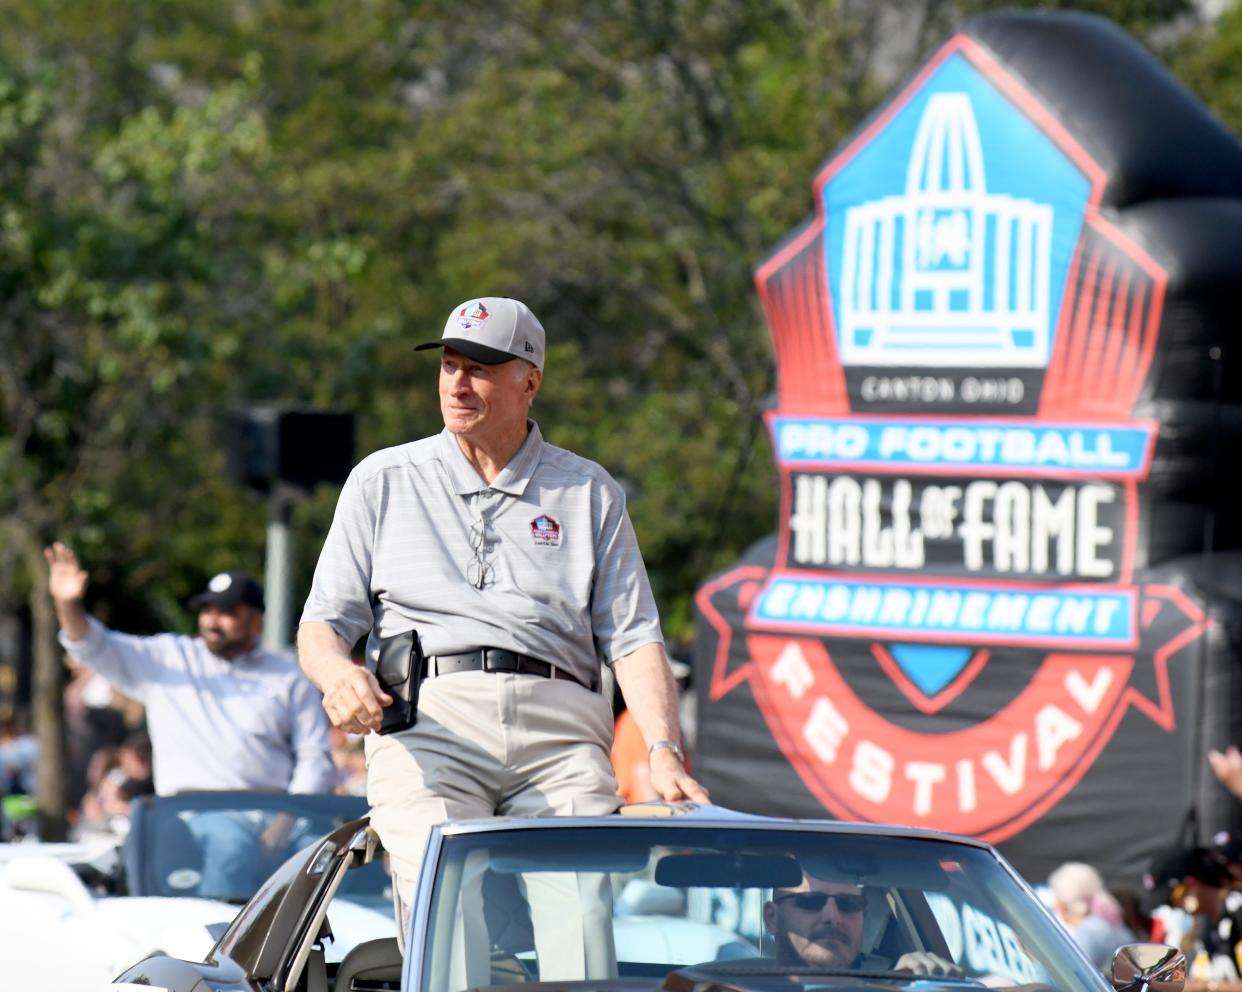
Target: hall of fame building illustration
column 946, row 274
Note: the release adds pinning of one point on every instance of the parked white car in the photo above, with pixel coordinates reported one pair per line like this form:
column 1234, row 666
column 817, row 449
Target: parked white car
column 73, row 916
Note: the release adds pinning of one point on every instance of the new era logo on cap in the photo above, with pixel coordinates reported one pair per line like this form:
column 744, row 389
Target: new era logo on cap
column 493, row 329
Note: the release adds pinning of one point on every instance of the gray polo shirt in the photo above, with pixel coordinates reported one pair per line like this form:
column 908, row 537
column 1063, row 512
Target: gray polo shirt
column 254, row 722
column 543, row 561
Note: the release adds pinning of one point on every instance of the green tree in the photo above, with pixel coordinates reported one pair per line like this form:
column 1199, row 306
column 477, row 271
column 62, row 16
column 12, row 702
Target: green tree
column 108, row 251
column 1209, row 60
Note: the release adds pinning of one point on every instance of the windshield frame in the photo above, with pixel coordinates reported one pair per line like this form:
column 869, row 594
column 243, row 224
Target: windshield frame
column 152, row 815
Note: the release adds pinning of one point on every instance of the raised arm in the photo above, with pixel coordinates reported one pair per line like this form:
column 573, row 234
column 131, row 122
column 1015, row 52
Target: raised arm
column 66, row 583
column 129, row 663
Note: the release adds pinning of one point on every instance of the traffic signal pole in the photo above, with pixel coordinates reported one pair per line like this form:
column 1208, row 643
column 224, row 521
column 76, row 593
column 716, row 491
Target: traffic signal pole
column 278, row 571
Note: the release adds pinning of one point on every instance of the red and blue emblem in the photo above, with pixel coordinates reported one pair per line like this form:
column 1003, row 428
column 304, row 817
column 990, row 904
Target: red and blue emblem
column 472, row 315
column 545, row 531
column 961, row 340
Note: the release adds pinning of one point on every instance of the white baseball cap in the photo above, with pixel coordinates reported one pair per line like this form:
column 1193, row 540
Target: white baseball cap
column 491, row 330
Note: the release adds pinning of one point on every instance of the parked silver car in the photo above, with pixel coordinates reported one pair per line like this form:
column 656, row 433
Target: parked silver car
column 673, row 897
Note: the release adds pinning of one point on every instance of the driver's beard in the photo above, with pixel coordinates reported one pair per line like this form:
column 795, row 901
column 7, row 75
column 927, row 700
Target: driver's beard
column 787, row 954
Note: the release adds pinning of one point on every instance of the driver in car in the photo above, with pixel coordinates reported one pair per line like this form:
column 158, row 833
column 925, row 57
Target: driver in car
column 820, row 924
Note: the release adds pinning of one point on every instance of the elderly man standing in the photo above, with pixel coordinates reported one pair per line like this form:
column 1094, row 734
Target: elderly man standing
column 516, row 563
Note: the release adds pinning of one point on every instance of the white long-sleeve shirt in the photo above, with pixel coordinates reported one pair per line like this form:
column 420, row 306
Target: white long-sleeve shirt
column 254, row 722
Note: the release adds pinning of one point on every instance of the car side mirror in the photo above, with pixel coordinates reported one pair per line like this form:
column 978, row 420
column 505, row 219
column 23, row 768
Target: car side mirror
column 1148, row 968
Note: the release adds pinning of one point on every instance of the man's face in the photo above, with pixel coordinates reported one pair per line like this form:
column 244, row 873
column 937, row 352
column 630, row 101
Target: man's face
column 484, row 402
column 228, row 633
column 818, row 923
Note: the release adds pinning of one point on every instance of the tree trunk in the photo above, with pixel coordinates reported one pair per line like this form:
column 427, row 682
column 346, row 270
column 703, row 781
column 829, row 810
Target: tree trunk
column 47, row 699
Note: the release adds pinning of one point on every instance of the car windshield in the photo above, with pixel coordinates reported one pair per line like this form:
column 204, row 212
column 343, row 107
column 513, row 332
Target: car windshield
column 626, row 905
column 223, row 846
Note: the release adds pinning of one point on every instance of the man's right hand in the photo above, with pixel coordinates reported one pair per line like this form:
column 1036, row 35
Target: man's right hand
column 67, row 579
column 354, row 701
column 66, row 584
column 352, row 696
column 928, row 965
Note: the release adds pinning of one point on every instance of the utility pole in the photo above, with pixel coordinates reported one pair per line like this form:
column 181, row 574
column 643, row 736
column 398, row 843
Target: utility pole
column 278, row 571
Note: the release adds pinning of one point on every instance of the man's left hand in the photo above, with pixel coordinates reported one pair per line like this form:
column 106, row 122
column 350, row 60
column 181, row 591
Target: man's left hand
column 672, row 782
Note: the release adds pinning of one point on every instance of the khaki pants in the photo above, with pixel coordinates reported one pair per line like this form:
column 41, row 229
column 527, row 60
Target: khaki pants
column 494, row 743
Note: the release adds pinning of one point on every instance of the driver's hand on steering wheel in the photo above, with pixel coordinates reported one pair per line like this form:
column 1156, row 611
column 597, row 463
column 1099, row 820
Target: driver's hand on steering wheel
column 928, row 965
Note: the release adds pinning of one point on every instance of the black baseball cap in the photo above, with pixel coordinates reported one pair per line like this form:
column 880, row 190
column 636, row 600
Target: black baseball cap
column 492, row 330
column 229, row 589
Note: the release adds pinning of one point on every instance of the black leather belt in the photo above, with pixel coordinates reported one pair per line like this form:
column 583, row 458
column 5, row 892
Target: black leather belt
column 495, row 660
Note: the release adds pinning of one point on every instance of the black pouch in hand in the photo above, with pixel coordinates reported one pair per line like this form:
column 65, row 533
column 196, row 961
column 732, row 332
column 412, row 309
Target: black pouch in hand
column 399, row 672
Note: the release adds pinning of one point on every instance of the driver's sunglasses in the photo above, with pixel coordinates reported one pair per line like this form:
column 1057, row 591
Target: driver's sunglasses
column 814, row 902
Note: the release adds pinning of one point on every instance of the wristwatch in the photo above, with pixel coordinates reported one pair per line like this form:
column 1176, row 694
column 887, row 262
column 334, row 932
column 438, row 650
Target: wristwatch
column 669, row 745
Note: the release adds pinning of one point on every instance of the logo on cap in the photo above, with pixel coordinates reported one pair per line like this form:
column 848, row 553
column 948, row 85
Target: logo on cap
column 545, row 531
column 472, row 315
column 220, row 582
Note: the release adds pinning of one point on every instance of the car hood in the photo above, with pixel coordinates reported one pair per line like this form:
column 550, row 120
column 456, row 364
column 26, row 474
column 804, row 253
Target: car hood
column 177, row 926
column 86, row 949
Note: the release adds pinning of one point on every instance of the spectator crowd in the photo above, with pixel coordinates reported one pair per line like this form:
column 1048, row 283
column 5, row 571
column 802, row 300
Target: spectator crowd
column 1190, row 898
column 110, row 761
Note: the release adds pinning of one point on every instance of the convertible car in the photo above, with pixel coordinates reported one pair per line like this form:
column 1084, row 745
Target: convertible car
column 73, row 915
column 671, row 897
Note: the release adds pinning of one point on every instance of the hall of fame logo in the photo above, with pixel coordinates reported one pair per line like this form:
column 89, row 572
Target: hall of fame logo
column 545, row 531
column 961, row 338
column 472, row 316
